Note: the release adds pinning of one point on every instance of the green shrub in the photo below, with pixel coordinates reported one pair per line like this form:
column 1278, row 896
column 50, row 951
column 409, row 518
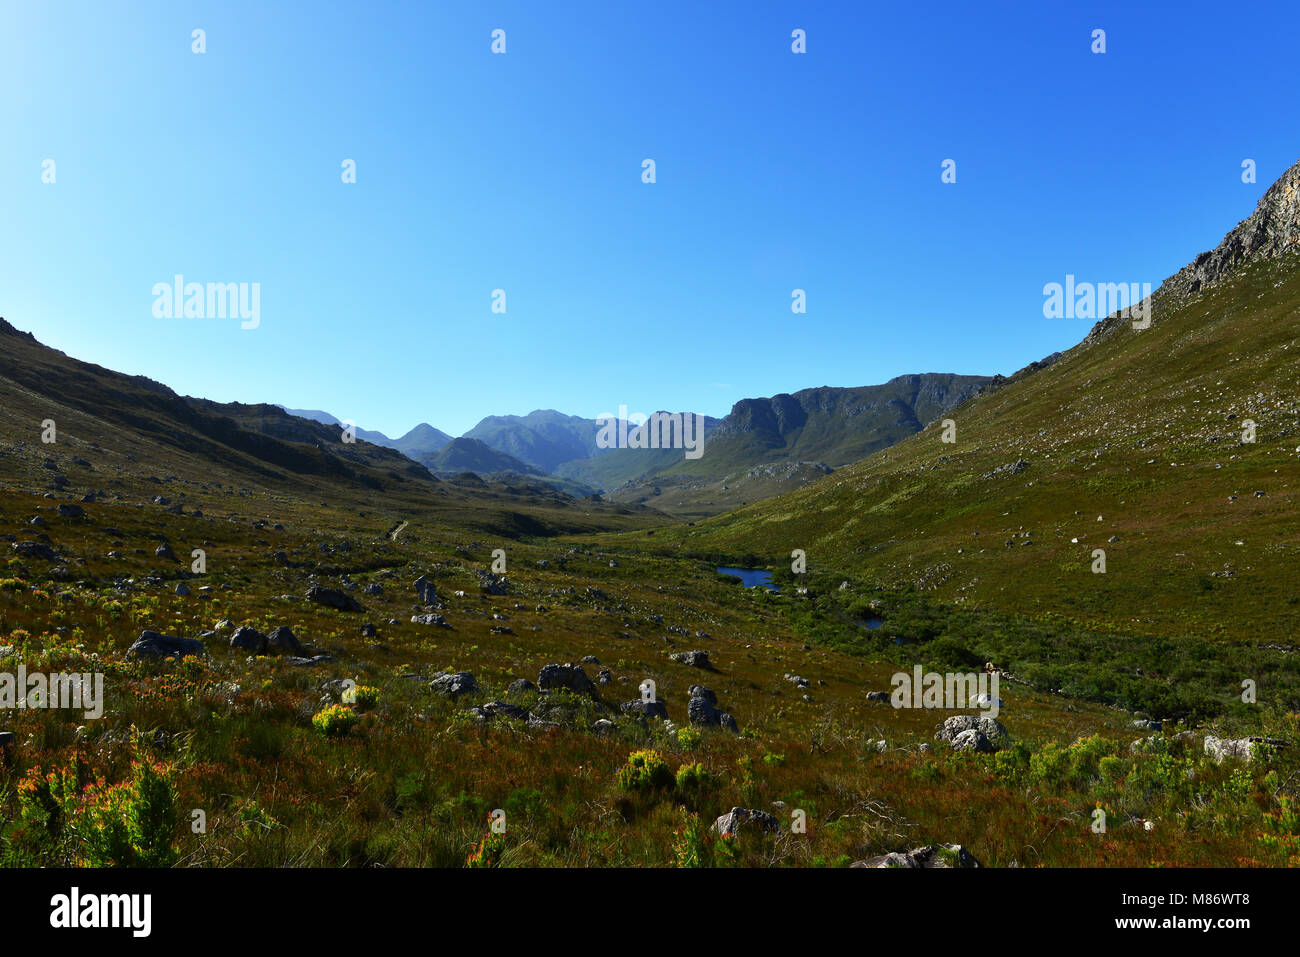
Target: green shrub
column 694, row 777
column 645, row 771
column 335, row 721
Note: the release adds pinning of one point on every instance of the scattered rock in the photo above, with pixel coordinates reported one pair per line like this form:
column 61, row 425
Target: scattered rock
column 646, row 709
column 37, row 550
column 1221, row 748
column 739, row 817
column 432, row 618
column 693, row 659
column 425, row 591
column 702, row 709
column 282, row 641
column 151, row 644
column 931, row 856
column 454, row 685
column 570, row 677
column 332, row 598
column 993, row 731
column 249, row 639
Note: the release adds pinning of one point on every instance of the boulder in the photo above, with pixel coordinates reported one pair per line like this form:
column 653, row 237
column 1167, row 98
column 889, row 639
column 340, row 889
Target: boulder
column 569, row 677
column 997, row 735
column 931, row 856
column 38, row 550
column 495, row 709
column 739, row 817
column 693, row 659
column 151, row 644
column 702, row 709
column 972, row 739
column 646, row 709
column 432, row 618
column 282, row 641
column 332, row 598
column 1221, row 748
column 425, row 591
column 454, row 685
column 249, row 639
column 493, row 584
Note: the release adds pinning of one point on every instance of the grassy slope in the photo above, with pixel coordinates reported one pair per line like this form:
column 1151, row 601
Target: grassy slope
column 1141, row 429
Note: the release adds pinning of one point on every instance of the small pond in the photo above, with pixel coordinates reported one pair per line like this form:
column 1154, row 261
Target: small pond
column 750, row 577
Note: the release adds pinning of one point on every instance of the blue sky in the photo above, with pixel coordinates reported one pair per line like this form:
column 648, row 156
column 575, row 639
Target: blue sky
column 522, row 172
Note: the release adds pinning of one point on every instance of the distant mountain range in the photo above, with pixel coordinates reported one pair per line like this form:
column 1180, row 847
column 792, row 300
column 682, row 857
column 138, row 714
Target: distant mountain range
column 763, row 447
column 421, row 440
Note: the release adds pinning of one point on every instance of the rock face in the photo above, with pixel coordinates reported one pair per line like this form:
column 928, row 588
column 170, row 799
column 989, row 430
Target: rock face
column 454, row 685
column 702, row 709
column 249, row 639
column 332, row 598
column 1270, row 231
column 569, row 677
column 994, row 734
column 931, row 856
column 151, row 644
column 739, row 817
column 425, row 591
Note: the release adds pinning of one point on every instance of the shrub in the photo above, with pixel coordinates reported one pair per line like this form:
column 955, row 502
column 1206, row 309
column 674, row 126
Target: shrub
column 645, row 771
column 694, row 777
column 367, row 697
column 690, row 849
column 128, row 824
column 689, row 738
column 335, row 721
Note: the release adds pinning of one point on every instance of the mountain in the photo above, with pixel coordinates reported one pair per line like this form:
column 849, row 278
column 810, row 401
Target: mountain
column 772, row 445
column 471, row 455
column 420, row 440
column 1171, row 448
column 543, row 439
column 375, row 438
column 124, row 439
column 423, row 438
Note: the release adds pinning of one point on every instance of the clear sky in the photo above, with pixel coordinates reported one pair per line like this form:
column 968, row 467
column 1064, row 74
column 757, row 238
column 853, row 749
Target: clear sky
column 522, row 171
